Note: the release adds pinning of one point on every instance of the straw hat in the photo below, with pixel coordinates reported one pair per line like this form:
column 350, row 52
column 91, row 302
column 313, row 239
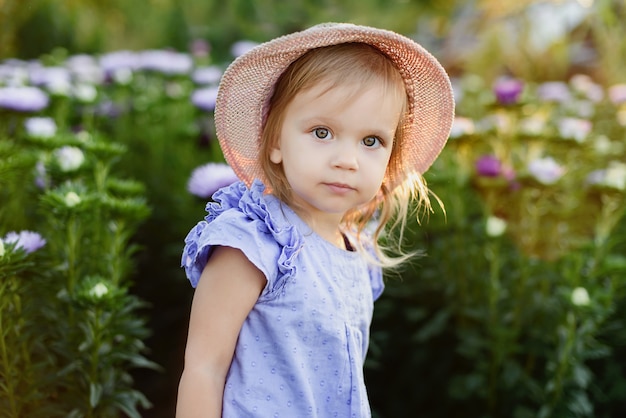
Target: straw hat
column 248, row 83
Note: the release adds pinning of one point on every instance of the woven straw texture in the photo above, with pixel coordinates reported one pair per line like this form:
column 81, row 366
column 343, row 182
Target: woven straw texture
column 247, row 85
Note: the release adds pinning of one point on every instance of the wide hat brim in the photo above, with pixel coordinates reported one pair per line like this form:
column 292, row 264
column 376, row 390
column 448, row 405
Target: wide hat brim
column 248, row 83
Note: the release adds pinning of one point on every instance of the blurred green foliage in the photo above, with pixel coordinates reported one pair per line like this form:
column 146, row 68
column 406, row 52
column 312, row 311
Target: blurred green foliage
column 31, row 28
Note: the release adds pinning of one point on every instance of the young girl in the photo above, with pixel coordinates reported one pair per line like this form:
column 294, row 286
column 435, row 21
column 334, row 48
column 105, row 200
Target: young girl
column 329, row 130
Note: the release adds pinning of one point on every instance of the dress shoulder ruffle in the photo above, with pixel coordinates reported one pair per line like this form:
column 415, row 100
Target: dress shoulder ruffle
column 249, row 220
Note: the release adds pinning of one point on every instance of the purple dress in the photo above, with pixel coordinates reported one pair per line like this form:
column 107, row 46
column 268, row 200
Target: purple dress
column 301, row 349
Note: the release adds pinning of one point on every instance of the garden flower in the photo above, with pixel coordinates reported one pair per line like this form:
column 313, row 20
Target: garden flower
column 508, row 90
column 241, row 47
column 41, row 179
column 72, row 199
column 13, row 74
column 207, row 75
column 57, row 80
column 617, row 93
column 574, row 128
column 85, row 68
column 533, row 125
column 614, row 176
column 580, row 297
column 205, row 98
column 99, row 290
column 546, row 170
column 200, row 48
column 40, row 127
column 554, row 91
column 85, row 93
column 69, row 158
column 122, row 76
column 495, row 226
column 585, row 84
column 166, row 62
column 114, row 61
column 23, row 99
column 27, row 240
column 489, row 166
column 462, row 126
column 207, row 179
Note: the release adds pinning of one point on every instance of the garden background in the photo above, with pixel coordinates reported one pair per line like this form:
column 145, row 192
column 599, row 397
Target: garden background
column 517, row 309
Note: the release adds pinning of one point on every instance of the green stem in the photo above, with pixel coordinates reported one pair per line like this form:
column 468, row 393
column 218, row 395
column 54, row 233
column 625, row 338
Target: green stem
column 497, row 344
column 7, row 370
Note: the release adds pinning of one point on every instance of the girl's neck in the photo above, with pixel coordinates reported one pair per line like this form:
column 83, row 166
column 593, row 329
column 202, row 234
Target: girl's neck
column 326, row 227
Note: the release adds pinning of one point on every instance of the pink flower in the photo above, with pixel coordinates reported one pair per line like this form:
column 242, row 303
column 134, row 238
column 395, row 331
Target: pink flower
column 617, row 93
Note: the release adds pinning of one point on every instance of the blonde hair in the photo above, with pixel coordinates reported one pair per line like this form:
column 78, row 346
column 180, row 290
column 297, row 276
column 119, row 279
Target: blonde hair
column 356, row 64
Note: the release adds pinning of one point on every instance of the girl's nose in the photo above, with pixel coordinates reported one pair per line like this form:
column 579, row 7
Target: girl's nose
column 346, row 157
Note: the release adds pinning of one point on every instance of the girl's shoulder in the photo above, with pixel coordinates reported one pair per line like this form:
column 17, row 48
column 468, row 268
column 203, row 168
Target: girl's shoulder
column 247, row 219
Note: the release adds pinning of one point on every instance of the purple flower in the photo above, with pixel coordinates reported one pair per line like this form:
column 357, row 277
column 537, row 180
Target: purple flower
column 207, row 75
column 85, row 69
column 23, row 99
column 27, row 240
column 207, row 179
column 119, row 60
column 241, row 47
column 57, row 80
column 546, row 170
column 166, row 62
column 41, row 180
column 508, row 90
column 205, row 98
column 489, row 166
column 554, row 91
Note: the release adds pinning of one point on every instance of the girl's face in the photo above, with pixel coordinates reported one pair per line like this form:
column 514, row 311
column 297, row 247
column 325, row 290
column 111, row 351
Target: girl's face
column 335, row 145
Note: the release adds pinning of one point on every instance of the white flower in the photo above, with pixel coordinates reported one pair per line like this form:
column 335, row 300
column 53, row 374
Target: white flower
column 495, row 226
column 546, row 170
column 40, row 127
column 580, row 297
column 533, row 125
column 462, row 126
column 99, row 290
column 72, row 199
column 69, row 158
column 122, row 76
column 85, row 93
column 615, row 175
column 574, row 128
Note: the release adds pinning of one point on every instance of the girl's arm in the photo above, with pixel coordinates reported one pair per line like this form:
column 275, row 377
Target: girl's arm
column 228, row 289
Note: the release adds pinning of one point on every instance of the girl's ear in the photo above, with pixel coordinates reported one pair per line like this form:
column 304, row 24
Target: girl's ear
column 276, row 156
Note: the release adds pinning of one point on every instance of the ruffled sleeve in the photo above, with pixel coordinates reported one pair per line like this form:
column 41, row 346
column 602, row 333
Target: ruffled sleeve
column 250, row 221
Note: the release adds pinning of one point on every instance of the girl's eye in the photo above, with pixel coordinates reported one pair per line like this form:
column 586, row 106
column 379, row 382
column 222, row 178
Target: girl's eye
column 321, row 133
column 371, row 141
